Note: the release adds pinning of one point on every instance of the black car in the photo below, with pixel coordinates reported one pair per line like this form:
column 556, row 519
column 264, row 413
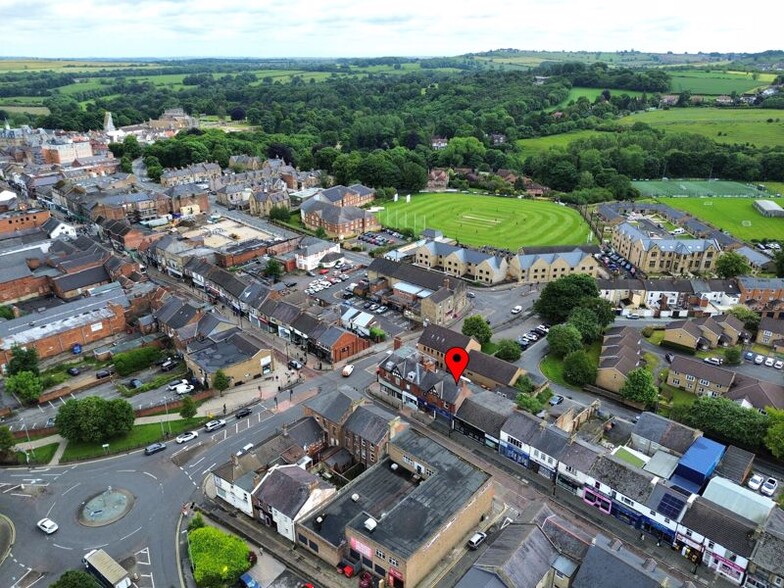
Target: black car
column 103, row 374
column 669, row 357
column 154, row 448
column 243, row 412
column 74, row 371
column 290, row 284
column 135, row 383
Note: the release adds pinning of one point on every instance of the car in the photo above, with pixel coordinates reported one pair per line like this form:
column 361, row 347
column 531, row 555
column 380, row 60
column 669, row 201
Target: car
column 748, row 356
column 381, row 309
column 169, row 365
column 669, row 357
column 476, row 540
column 633, row 316
column 190, row 435
column 779, row 364
column 135, row 383
column 769, row 361
column 47, row 525
column 759, row 359
column 290, row 284
column 243, row 412
column 324, row 271
column 523, row 342
column 471, row 295
column 517, row 309
column 544, row 328
column 555, row 400
column 74, row 371
column 770, row 486
column 755, row 482
column 294, row 364
column 101, row 374
column 50, row 422
column 348, row 369
column 533, row 336
column 374, row 307
column 367, row 305
column 214, row 425
column 311, row 274
column 184, row 389
column 154, row 448
column 540, row 331
column 713, row 360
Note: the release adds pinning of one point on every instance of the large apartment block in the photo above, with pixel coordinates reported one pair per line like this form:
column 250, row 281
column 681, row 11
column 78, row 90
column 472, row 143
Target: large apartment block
column 655, row 255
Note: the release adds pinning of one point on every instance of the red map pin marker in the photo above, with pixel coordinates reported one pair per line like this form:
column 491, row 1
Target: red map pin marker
column 456, row 360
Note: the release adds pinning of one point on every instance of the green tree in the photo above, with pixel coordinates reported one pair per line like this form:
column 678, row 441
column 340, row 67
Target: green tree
column 508, row 350
column 75, row 579
column 585, row 321
column 25, row 385
column 732, row 355
column 131, row 147
column 273, row 269
column 128, row 362
column 475, row 326
column 197, row 522
column 188, row 408
column 220, row 381
column 603, row 309
column 564, row 339
column 774, row 438
column 639, row 387
column 94, row 419
column 560, row 296
column 529, row 403
column 23, row 360
column 579, row 369
column 731, row 264
column 778, row 261
column 377, row 334
column 321, row 233
column 751, row 319
column 280, row 213
column 218, row 558
column 726, row 421
column 7, row 440
column 6, row 312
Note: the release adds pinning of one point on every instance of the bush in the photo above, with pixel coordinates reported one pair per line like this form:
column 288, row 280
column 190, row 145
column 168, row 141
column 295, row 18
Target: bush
column 197, row 522
column 528, row 403
column 579, row 370
column 647, row 331
column 218, row 559
column 128, row 362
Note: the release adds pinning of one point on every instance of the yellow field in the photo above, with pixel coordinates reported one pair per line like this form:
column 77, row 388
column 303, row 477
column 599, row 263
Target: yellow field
column 11, row 65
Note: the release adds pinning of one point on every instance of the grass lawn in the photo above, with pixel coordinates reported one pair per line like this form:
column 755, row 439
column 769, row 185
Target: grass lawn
column 488, row 220
column 657, row 337
column 735, row 215
column 775, row 187
column 737, row 125
column 696, row 188
column 629, row 457
column 552, row 367
column 43, row 455
column 536, row 145
column 677, row 397
column 490, row 348
column 715, row 83
column 139, row 436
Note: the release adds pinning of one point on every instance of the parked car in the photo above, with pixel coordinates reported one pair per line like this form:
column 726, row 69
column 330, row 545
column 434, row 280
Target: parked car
column 174, row 384
column 471, row 295
column 669, row 357
column 101, row 374
column 348, row 369
column 517, row 309
column 770, row 486
column 713, row 360
column 476, row 540
column 759, row 359
column 533, row 336
column 544, row 328
column 135, row 383
column 779, row 364
column 294, row 364
column 243, row 412
column 769, row 361
column 324, row 271
column 183, row 389
column 184, row 437
column 214, row 425
column 381, row 309
column 755, row 482
column 47, row 525
column 555, row 400
column 748, row 356
column 74, row 371
column 154, row 448
column 169, row 365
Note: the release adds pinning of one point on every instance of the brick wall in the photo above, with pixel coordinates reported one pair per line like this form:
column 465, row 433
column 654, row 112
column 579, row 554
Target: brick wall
column 22, row 221
column 24, row 288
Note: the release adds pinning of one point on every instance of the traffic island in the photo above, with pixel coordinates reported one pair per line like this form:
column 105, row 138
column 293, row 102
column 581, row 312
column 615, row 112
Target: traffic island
column 105, row 508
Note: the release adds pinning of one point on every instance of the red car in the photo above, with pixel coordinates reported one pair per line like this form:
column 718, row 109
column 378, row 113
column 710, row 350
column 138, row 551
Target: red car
column 324, row 271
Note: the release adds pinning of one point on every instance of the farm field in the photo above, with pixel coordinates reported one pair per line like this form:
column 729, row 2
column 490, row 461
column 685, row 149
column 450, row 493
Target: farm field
column 715, row 83
column 15, row 65
column 696, row 188
column 735, row 215
column 775, row 187
column 735, row 125
column 487, row 220
column 536, row 145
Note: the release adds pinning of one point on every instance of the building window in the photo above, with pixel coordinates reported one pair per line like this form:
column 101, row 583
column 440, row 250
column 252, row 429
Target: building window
column 313, row 546
column 302, row 539
column 380, row 554
column 393, row 562
column 711, row 545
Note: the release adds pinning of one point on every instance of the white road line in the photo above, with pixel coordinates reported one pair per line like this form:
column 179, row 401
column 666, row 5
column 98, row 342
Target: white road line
column 129, row 534
column 126, row 471
column 48, row 512
column 22, row 495
column 34, row 583
column 62, row 547
column 39, row 408
column 51, row 405
column 193, row 465
column 22, row 578
column 149, row 474
column 209, row 468
column 71, row 488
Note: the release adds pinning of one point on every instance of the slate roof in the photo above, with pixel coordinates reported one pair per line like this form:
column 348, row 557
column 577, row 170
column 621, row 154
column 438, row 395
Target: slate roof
column 687, row 325
column 491, row 367
column 702, row 370
column 370, row 423
column 442, row 339
column 581, row 455
column 624, row 478
column 335, row 405
column 664, row 432
column 773, row 325
column 176, row 313
column 413, row 274
column 769, row 552
column 521, row 426
column 758, row 393
column 678, row 246
column 287, row 489
column 82, row 279
column 572, row 258
column 224, row 349
column 333, row 214
column 487, row 411
column 735, row 464
column 721, row 526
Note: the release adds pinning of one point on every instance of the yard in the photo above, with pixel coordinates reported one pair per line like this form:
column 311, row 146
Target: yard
column 735, row 215
column 552, row 366
column 488, row 220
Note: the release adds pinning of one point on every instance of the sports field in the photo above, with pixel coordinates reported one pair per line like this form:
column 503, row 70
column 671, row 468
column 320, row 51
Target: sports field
column 735, row 215
column 695, row 188
column 487, row 220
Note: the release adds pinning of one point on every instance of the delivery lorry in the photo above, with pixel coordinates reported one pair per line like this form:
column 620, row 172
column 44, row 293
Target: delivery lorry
column 107, row 571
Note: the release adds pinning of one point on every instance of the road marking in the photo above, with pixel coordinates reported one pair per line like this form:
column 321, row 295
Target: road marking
column 209, row 468
column 149, row 474
column 23, row 576
column 39, row 408
column 48, row 512
column 71, row 488
column 193, row 465
column 126, row 471
column 62, row 547
column 22, row 495
column 34, row 583
column 129, row 534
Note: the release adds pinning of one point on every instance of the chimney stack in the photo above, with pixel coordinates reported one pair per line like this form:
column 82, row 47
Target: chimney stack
column 397, row 343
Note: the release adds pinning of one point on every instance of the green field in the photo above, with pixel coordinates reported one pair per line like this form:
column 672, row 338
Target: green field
column 735, row 215
column 536, row 145
column 715, row 83
column 736, row 125
column 696, row 188
column 488, row 220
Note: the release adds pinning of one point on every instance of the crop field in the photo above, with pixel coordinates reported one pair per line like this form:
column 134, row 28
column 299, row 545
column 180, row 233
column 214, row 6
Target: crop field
column 736, row 125
column 488, row 220
column 715, row 83
column 696, row 188
column 12, row 65
column 735, row 215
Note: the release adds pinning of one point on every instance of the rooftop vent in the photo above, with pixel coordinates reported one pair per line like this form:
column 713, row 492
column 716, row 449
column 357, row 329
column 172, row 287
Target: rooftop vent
column 370, row 525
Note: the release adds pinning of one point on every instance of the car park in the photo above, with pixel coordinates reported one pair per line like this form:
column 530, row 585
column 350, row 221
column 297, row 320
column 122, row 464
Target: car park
column 759, row 359
column 476, row 540
column 243, row 412
column 769, row 361
column 47, row 525
column 154, row 448
column 184, row 437
column 769, row 487
column 348, row 370
column 74, row 371
column 214, row 425
column 755, row 482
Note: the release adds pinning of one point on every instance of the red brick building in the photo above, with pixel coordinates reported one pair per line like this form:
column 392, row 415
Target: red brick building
column 20, row 220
